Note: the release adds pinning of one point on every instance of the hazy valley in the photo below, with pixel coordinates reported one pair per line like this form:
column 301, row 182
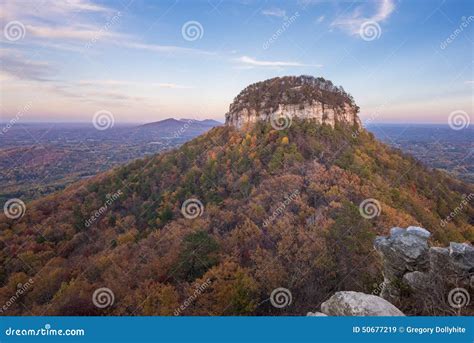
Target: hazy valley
column 38, row 159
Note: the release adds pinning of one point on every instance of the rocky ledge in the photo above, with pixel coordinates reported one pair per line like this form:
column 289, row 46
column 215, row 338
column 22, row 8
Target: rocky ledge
column 418, row 279
column 434, row 280
column 304, row 97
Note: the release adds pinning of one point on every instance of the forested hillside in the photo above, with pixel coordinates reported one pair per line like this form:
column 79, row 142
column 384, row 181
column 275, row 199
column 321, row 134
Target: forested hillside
column 268, row 209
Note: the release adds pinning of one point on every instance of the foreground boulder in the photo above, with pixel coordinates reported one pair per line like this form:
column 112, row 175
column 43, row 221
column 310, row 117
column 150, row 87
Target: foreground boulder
column 358, row 304
column 316, row 314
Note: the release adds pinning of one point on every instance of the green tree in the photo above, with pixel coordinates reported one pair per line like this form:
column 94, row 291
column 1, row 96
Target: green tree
column 199, row 252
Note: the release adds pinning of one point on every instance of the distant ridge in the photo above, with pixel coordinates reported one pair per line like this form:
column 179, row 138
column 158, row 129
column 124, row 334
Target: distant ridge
column 175, row 128
column 173, row 121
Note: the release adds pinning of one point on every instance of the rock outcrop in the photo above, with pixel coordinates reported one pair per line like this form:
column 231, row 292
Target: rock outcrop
column 304, row 97
column 412, row 269
column 357, row 304
column 431, row 280
column 404, row 251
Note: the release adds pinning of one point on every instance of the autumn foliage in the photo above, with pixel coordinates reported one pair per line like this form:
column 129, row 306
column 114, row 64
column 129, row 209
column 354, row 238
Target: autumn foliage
column 153, row 258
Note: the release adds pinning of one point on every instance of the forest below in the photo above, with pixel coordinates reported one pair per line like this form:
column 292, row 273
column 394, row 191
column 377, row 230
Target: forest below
column 275, row 208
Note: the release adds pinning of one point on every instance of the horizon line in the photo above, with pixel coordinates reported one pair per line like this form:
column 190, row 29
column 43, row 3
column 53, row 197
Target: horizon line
column 222, row 122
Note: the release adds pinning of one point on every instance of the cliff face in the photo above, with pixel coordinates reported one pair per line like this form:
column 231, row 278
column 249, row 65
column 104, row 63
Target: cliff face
column 304, row 97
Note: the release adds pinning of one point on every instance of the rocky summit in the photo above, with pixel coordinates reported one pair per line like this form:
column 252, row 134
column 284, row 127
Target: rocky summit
column 304, row 97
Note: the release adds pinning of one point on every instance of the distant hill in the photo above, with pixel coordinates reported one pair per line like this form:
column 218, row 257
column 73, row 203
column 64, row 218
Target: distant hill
column 174, row 128
column 211, row 122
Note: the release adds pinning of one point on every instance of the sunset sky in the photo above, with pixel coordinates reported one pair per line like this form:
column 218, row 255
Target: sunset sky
column 149, row 60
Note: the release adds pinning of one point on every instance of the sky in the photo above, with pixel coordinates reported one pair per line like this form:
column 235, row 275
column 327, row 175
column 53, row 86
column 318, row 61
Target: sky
column 143, row 61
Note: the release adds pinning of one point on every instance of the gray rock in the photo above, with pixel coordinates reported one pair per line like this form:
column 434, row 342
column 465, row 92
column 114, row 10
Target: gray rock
column 462, row 256
column 457, row 260
column 418, row 231
column 404, row 251
column 316, row 314
column 417, row 280
column 394, row 231
column 409, row 246
column 424, row 274
column 439, row 258
column 409, row 261
column 358, row 304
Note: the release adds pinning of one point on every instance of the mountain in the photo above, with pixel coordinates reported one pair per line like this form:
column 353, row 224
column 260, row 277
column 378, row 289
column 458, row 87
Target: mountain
column 169, row 122
column 304, row 97
column 226, row 222
column 210, row 122
column 174, row 128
